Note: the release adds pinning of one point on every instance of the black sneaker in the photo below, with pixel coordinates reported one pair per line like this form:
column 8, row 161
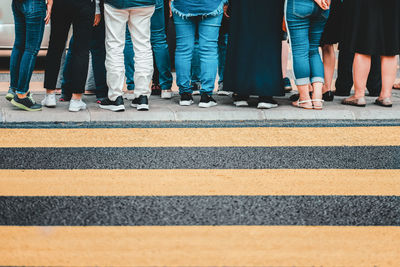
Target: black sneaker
column 10, row 94
column 186, row 99
column 141, row 103
column 206, row 101
column 117, row 105
column 26, row 103
column 240, row 101
column 266, row 102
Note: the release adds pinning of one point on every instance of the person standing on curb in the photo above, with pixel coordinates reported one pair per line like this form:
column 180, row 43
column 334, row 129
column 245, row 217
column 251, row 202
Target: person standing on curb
column 30, row 17
column 81, row 14
column 137, row 13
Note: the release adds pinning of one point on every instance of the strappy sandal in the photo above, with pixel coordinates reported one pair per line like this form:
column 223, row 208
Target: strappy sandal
column 357, row 102
column 385, row 102
column 318, row 107
column 298, row 104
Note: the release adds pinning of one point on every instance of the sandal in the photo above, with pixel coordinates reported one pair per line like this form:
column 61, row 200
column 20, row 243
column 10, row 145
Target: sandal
column 318, row 107
column 299, row 103
column 386, row 102
column 357, row 102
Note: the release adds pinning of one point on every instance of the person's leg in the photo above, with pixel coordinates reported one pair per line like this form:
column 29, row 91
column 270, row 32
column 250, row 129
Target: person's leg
column 389, row 71
column 344, row 81
column 18, row 48
column 298, row 28
column 362, row 66
column 66, row 83
column 160, row 48
column 60, row 24
column 222, row 47
column 329, row 59
column 195, row 69
column 374, row 82
column 139, row 26
column 208, row 51
column 129, row 54
column 116, row 20
column 98, row 51
column 317, row 67
column 185, row 38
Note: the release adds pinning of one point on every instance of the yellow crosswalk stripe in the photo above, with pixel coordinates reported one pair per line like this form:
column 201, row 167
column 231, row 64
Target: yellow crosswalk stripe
column 201, row 137
column 200, row 246
column 198, row 182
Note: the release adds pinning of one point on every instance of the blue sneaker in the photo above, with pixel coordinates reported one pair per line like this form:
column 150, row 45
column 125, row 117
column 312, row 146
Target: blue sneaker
column 287, row 86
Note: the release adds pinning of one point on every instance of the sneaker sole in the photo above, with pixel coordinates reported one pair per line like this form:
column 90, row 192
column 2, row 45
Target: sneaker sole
column 207, row 105
column 76, row 110
column 18, row 105
column 9, row 96
column 186, row 103
column 142, row 107
column 224, row 93
column 268, row 106
column 113, row 108
column 241, row 104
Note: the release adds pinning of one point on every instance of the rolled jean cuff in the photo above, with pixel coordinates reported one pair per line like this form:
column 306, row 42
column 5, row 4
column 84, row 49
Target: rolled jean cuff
column 303, row 81
column 21, row 92
column 317, row 80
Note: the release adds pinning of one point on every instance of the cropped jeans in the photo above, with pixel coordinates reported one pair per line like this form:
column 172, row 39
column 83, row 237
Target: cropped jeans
column 208, row 29
column 29, row 28
column 306, row 22
column 160, row 49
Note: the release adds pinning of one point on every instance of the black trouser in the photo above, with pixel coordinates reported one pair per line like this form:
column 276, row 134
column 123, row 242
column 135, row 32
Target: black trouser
column 344, row 82
column 79, row 13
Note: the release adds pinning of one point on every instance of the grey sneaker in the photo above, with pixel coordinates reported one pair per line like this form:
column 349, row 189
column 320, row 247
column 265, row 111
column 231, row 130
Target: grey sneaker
column 76, row 105
column 49, row 101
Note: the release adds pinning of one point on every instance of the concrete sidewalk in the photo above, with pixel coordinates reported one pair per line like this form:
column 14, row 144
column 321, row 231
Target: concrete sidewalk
column 169, row 110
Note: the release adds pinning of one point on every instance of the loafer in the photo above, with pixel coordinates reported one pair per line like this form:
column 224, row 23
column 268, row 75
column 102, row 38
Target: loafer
column 328, row 96
column 386, row 102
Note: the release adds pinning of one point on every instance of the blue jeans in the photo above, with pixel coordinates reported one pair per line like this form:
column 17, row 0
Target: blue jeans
column 98, row 52
column 195, row 70
column 222, row 46
column 306, row 22
column 160, row 50
column 29, row 28
column 208, row 29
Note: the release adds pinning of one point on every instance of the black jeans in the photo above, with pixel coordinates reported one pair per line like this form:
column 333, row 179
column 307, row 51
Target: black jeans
column 79, row 13
column 344, row 82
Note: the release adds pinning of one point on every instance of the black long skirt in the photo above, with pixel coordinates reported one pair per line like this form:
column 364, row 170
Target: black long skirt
column 253, row 64
column 373, row 26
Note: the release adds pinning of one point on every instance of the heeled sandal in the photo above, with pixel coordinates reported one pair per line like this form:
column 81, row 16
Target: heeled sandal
column 320, row 101
column 298, row 104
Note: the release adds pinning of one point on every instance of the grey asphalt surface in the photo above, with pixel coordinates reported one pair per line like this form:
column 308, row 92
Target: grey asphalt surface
column 202, row 158
column 207, row 210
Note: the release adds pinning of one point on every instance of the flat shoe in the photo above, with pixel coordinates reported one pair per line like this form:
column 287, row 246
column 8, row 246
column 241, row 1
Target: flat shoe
column 357, row 102
column 299, row 103
column 386, row 102
column 320, row 101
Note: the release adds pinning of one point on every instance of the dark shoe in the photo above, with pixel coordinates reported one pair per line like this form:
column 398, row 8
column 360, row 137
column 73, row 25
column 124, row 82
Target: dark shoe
column 117, row 105
column 155, row 89
column 328, row 96
column 10, row 94
column 386, row 102
column 357, row 102
column 26, row 103
column 196, row 86
column 141, row 103
column 186, row 99
column 240, row 101
column 266, row 102
column 287, row 86
column 206, row 101
column 65, row 98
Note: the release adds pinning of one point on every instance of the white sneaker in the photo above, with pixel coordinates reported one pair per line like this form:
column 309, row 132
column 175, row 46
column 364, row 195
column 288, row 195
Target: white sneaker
column 264, row 105
column 49, row 100
column 166, row 94
column 129, row 96
column 76, row 105
column 241, row 103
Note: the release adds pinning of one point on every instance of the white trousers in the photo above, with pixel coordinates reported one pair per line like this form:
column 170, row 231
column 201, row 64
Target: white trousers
column 138, row 20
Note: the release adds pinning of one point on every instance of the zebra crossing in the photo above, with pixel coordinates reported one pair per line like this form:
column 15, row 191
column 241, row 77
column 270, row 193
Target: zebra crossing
column 200, row 196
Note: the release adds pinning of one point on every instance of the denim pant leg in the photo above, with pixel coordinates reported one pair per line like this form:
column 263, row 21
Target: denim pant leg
column 19, row 43
column 222, row 46
column 160, row 48
column 318, row 22
column 34, row 13
column 195, row 70
column 129, row 54
column 208, row 51
column 98, row 51
column 185, row 37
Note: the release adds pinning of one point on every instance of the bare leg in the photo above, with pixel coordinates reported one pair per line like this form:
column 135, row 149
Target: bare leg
column 361, row 68
column 317, row 95
column 329, row 59
column 285, row 56
column 304, row 95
